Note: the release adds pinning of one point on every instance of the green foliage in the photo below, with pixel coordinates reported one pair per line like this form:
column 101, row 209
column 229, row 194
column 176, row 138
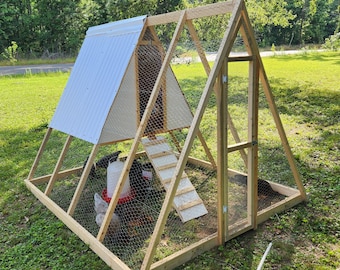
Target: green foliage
column 59, row 27
column 273, row 48
column 332, row 43
column 11, row 53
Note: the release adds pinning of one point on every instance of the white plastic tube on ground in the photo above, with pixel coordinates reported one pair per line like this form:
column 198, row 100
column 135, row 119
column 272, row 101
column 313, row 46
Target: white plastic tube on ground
column 259, row 267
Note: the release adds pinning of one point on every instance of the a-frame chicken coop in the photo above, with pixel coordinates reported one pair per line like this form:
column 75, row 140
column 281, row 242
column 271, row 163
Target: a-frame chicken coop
column 150, row 169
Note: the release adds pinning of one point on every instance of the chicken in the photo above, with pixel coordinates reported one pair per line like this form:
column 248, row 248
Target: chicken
column 101, row 206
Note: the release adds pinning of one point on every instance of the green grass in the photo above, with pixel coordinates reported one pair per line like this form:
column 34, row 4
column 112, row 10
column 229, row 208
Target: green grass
column 37, row 61
column 307, row 92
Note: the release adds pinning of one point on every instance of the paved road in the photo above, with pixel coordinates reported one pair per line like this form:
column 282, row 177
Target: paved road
column 12, row 70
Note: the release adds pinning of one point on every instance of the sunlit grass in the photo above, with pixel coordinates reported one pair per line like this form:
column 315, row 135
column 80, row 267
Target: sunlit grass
column 28, row 101
column 307, row 93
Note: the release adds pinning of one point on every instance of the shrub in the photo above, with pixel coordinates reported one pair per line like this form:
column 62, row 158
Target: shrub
column 332, row 43
column 11, row 52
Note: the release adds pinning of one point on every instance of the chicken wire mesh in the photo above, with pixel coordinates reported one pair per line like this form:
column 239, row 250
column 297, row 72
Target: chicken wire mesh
column 194, row 210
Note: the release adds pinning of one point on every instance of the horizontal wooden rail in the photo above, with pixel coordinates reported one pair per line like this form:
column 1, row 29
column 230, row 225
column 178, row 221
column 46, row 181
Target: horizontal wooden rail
column 239, row 146
column 240, row 58
column 193, row 13
column 62, row 174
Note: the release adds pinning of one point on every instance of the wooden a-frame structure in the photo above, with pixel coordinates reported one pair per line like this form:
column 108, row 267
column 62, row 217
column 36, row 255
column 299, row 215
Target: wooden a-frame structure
column 217, row 82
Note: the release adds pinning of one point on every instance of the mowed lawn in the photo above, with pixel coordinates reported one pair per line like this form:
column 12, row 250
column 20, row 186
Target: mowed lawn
column 306, row 88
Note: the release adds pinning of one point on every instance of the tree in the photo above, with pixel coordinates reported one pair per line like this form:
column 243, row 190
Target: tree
column 57, row 24
column 17, row 23
column 269, row 18
column 60, row 25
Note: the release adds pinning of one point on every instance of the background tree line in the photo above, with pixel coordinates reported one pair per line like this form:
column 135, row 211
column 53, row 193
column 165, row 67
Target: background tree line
column 59, row 26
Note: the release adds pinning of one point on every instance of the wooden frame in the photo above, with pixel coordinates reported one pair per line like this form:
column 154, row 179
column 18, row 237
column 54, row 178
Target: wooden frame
column 217, row 82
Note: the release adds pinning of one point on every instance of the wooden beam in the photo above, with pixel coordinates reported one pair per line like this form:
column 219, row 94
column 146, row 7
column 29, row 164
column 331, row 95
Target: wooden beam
column 239, row 228
column 104, row 253
column 193, row 13
column 240, row 58
column 39, row 154
column 186, row 254
column 206, row 148
column 170, row 194
column 199, row 47
column 46, row 178
column 270, row 99
column 207, row 69
column 206, row 66
column 239, row 146
column 282, row 189
column 175, row 141
column 253, row 108
column 201, row 163
column 82, row 180
column 222, row 153
column 60, row 161
column 278, row 207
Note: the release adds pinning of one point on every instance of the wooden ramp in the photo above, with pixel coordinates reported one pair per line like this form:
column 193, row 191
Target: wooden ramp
column 187, row 202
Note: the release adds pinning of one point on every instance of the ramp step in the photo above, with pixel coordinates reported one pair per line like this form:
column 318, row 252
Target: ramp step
column 187, row 202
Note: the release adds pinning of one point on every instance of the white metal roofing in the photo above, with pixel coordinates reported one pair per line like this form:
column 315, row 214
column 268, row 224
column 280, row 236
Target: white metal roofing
column 96, row 78
column 99, row 103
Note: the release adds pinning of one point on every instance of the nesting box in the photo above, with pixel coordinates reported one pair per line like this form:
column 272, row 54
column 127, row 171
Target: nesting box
column 200, row 168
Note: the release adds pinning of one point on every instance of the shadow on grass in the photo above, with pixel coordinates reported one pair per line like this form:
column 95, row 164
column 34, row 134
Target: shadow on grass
column 310, row 57
column 312, row 106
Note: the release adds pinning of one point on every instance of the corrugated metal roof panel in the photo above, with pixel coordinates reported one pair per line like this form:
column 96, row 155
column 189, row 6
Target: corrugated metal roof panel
column 95, row 78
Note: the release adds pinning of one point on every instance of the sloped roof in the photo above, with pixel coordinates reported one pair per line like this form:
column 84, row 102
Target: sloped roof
column 96, row 78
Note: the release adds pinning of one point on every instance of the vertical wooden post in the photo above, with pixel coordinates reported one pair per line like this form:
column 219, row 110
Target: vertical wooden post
column 39, row 154
column 253, row 92
column 58, row 165
column 222, row 153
